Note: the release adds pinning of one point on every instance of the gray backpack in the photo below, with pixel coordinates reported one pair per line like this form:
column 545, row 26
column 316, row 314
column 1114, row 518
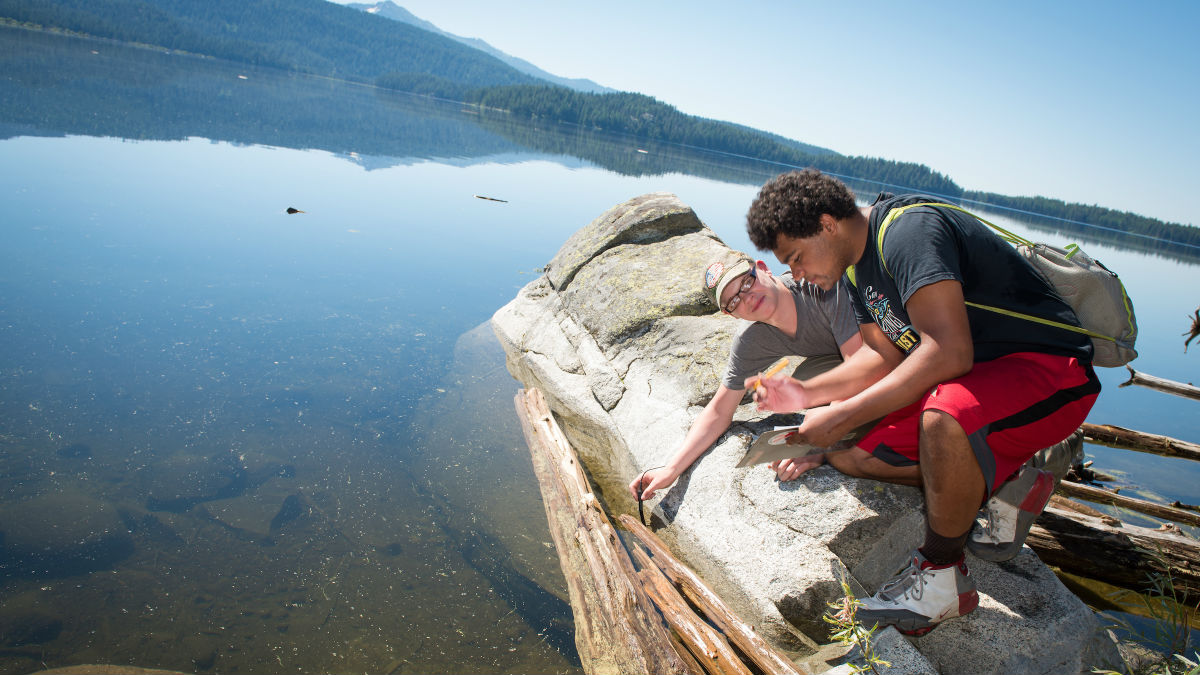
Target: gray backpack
column 1096, row 294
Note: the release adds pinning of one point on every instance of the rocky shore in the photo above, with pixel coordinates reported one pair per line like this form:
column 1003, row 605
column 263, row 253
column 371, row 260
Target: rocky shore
column 622, row 342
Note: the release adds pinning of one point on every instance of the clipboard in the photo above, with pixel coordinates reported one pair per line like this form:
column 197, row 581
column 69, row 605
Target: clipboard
column 772, row 445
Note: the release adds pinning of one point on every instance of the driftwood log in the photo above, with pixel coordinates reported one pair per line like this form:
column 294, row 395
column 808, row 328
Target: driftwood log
column 617, row 629
column 1128, row 439
column 1102, row 496
column 1161, row 384
column 741, row 634
column 1122, row 555
column 708, row 647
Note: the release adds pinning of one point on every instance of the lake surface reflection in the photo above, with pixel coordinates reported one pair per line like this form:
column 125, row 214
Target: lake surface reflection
column 233, row 439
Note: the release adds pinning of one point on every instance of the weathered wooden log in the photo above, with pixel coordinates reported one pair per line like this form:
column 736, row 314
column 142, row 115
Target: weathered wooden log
column 1078, row 507
column 1161, row 384
column 705, row 644
column 1190, row 507
column 1121, row 555
column 617, row 629
column 1128, row 439
column 741, row 634
column 1102, row 496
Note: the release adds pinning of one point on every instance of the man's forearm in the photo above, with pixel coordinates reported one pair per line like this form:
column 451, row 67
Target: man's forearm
column 864, row 368
column 923, row 369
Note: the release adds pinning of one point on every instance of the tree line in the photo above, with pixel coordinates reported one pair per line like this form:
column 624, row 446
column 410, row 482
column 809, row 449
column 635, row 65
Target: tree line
column 322, row 38
column 1100, row 223
column 646, row 118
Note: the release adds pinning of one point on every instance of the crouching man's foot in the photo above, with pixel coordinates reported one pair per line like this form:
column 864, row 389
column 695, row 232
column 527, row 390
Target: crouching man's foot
column 1010, row 513
column 921, row 597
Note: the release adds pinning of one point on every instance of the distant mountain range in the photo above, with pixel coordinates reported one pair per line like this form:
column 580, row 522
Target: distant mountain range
column 391, row 10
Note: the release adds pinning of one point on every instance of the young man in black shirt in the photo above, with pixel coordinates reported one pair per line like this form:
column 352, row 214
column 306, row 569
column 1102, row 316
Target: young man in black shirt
column 967, row 395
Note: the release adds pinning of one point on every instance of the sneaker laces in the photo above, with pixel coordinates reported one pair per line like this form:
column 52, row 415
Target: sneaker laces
column 989, row 528
column 902, row 585
column 994, row 517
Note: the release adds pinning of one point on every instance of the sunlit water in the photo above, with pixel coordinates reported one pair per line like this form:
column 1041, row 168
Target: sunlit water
column 233, row 439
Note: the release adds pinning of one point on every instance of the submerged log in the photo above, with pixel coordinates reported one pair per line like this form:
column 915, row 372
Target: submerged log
column 741, row 634
column 711, row 651
column 617, row 629
column 1161, row 384
column 1102, row 496
column 1128, row 439
column 1121, row 555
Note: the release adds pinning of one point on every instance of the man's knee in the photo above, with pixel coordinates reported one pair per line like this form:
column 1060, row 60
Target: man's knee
column 940, row 429
column 1059, row 458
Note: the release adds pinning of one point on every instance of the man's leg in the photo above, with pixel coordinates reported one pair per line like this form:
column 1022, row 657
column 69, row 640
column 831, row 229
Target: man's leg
column 954, row 486
column 936, row 584
column 862, row 464
column 1017, row 502
column 976, row 430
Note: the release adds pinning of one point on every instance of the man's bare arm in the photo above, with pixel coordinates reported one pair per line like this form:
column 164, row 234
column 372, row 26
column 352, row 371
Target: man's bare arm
column 939, row 315
column 713, row 421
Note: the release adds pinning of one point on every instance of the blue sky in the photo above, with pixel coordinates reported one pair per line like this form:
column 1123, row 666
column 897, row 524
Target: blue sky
column 1092, row 102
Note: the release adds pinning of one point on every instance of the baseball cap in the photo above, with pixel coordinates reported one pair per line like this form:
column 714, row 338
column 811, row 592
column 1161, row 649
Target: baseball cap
column 721, row 272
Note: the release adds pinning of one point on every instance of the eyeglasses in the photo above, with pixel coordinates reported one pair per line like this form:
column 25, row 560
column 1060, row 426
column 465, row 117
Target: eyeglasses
column 747, row 283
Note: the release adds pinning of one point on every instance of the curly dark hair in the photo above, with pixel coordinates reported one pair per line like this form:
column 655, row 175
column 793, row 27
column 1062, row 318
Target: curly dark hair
column 792, row 204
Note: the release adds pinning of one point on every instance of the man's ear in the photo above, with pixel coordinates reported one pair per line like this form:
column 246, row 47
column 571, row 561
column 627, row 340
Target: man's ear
column 828, row 222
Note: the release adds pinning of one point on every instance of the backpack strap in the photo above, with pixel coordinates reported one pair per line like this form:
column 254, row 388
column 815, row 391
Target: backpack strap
column 1010, row 237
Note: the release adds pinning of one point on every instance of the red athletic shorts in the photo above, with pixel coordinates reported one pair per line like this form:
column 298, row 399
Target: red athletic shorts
column 1010, row 408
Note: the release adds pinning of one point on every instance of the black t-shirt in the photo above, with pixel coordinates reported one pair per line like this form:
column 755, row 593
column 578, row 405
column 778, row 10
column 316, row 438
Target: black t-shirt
column 927, row 244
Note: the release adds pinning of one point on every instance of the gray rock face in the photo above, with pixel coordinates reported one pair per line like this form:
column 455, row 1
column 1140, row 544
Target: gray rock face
column 620, row 338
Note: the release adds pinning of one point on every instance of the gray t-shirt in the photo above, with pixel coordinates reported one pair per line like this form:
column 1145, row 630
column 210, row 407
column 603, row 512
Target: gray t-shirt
column 824, row 320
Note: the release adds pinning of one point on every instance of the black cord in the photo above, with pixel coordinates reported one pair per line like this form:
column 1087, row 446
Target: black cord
column 641, row 489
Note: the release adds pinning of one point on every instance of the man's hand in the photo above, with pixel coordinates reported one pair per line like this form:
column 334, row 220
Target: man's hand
column 779, row 394
column 823, row 426
column 647, row 483
column 791, row 469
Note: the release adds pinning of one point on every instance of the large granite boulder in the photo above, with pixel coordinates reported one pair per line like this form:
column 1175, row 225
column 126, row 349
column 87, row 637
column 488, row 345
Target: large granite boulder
column 621, row 340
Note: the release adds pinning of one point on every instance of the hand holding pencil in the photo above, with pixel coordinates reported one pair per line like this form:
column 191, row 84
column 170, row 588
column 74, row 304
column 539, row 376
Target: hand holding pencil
column 770, row 372
column 778, row 394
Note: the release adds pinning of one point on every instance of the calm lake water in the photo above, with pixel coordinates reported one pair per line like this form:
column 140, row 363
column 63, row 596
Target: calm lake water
column 237, row 440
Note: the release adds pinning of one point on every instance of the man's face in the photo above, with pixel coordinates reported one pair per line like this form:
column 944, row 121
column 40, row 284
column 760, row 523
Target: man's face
column 751, row 296
column 817, row 258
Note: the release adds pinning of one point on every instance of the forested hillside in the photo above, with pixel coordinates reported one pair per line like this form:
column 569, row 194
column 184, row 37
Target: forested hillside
column 390, row 10
column 1119, row 227
column 323, row 38
column 312, row 36
column 647, row 118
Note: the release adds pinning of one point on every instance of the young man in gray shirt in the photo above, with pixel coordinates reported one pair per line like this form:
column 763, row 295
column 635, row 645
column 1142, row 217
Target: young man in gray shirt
column 789, row 318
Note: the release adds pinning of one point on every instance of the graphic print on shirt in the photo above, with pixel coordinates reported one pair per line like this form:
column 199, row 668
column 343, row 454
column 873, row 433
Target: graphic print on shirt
column 899, row 332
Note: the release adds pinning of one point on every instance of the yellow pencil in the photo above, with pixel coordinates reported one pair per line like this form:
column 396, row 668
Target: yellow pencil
column 771, row 372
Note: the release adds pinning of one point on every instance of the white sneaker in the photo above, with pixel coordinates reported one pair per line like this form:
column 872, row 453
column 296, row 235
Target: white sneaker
column 1010, row 513
column 921, row 597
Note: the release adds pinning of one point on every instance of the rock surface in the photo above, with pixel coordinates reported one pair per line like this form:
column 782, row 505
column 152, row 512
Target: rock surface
column 625, row 347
